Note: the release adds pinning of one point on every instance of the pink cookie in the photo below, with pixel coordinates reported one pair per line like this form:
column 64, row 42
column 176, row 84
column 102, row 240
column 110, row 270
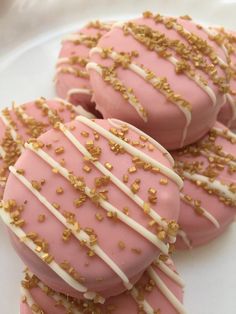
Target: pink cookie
column 160, row 290
column 227, row 40
column 93, row 203
column 21, row 122
column 162, row 75
column 208, row 199
column 72, row 79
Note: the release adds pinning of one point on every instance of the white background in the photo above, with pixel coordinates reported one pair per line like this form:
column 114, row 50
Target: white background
column 30, row 33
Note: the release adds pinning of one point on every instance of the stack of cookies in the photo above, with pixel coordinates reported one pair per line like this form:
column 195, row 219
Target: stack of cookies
column 134, row 160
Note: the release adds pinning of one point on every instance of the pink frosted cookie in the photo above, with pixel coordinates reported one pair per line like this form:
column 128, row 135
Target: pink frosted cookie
column 92, row 202
column 72, row 79
column 208, row 199
column 162, row 75
column 227, row 40
column 160, row 290
column 21, row 122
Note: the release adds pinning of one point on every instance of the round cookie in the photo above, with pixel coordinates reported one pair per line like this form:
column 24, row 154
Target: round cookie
column 79, row 184
column 160, row 74
column 160, row 289
column 29, row 120
column 72, row 79
column 227, row 40
column 208, row 198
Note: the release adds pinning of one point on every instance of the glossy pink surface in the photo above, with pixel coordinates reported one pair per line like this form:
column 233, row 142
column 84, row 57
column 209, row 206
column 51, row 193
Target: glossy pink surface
column 198, row 228
column 36, row 123
column 227, row 114
column 109, row 231
column 159, row 109
column 122, row 304
column 67, row 81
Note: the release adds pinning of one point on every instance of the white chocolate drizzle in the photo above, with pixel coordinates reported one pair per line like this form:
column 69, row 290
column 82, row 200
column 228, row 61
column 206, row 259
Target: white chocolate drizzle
column 183, row 235
column 78, row 91
column 166, row 291
column 232, row 103
column 196, row 78
column 135, row 104
column 204, row 213
column 155, row 80
column 28, row 299
column 58, row 298
column 142, row 303
column 29, row 243
column 78, row 109
column 118, row 123
column 169, row 272
column 153, row 214
column 104, row 204
column 80, row 235
column 132, row 150
column 68, row 69
column 221, row 132
column 216, row 184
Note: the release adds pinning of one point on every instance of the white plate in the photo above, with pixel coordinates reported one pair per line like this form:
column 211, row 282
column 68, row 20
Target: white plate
column 30, row 32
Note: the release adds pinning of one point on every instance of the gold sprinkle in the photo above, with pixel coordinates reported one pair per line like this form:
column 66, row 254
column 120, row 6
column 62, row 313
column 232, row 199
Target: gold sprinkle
column 90, row 253
column 66, row 234
column 126, row 211
column 84, row 134
column 125, row 178
column 150, row 147
column 20, row 171
column 59, row 190
column 55, row 170
column 86, row 168
column 146, row 208
column 155, row 170
column 143, row 138
column 36, row 185
column 108, row 166
column 56, row 205
column 136, row 251
column 132, row 169
column 59, row 150
column 135, row 187
column 161, row 235
column 99, row 216
column 41, row 218
column 163, row 181
column 121, row 245
column 152, row 191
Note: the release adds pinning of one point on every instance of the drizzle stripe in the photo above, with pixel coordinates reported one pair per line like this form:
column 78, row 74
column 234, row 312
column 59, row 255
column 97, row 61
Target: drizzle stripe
column 113, row 178
column 29, row 243
column 104, row 204
column 132, row 150
column 135, row 104
column 80, row 235
column 195, row 78
column 185, row 238
column 205, row 213
column 155, row 80
column 166, row 291
column 216, row 184
column 59, row 298
column 170, row 273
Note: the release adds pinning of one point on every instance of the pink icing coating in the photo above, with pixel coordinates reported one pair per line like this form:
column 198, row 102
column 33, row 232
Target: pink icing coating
column 226, row 113
column 66, row 81
column 139, row 252
column 198, row 228
column 159, row 110
column 122, row 304
column 40, row 123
